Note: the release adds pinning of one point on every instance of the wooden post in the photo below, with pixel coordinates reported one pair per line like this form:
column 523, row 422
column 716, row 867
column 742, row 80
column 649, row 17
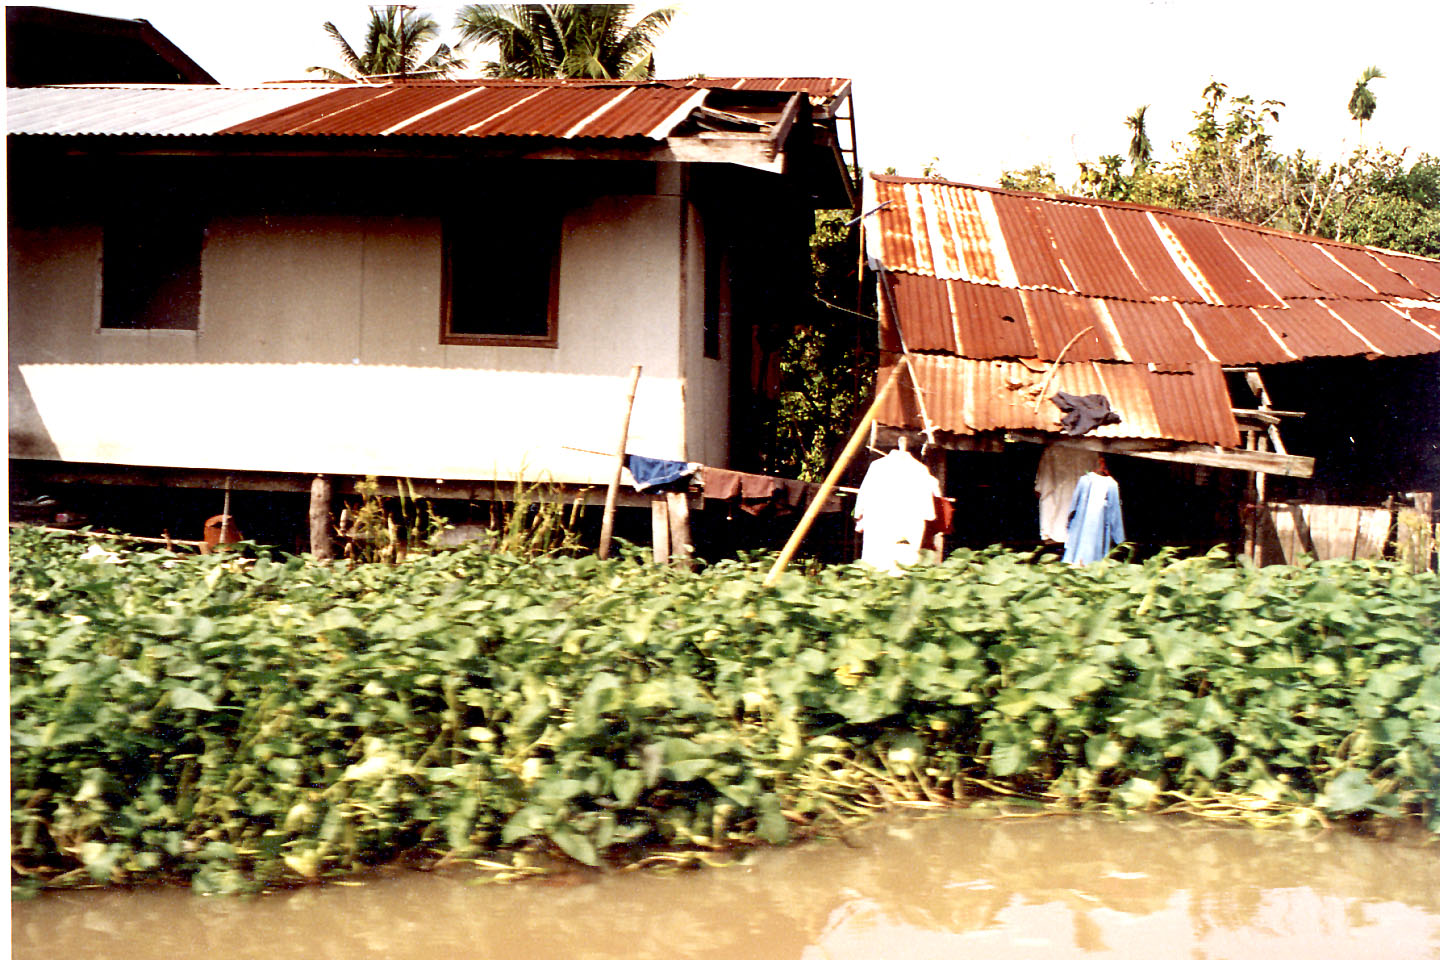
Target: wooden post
column 823, row 494
column 1415, row 532
column 678, row 511
column 607, row 524
column 322, row 546
column 660, row 529
column 225, row 515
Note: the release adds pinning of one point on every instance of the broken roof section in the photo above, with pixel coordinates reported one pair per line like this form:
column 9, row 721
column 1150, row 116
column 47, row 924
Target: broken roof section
column 1141, row 304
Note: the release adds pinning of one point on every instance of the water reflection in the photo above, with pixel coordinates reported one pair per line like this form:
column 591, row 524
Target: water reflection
column 943, row 887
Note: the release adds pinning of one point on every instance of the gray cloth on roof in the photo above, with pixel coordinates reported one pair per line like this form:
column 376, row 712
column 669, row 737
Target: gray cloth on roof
column 1083, row 414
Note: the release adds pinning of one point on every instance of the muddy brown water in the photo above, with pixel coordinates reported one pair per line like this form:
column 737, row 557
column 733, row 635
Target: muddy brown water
column 911, row 888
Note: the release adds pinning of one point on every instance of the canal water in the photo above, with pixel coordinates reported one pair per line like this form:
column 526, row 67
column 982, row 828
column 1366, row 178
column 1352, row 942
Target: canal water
column 907, row 888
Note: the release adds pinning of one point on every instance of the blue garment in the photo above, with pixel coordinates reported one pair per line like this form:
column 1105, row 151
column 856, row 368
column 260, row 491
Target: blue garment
column 1095, row 523
column 650, row 473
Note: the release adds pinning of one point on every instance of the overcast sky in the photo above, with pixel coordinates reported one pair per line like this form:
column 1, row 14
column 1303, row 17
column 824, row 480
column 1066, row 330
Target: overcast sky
column 984, row 87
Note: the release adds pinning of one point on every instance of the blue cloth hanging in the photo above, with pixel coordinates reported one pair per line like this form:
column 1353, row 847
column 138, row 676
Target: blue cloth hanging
column 650, row 473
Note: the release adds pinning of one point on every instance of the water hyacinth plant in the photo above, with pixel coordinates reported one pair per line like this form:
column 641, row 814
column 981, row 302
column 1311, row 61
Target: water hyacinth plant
column 238, row 724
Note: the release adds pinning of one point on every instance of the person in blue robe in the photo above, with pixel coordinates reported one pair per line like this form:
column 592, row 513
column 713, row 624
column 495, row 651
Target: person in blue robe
column 1095, row 523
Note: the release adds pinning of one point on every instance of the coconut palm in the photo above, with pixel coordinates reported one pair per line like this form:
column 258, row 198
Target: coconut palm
column 1139, row 139
column 1362, row 100
column 394, row 43
column 599, row 40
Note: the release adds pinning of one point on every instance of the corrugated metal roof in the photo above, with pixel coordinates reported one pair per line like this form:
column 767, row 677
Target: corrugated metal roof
column 1386, row 329
column 471, row 108
column 965, row 396
column 177, row 111
column 1160, row 290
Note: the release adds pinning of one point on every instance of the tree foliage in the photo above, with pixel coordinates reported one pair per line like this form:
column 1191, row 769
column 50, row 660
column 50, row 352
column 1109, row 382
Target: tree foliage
column 539, row 40
column 1229, row 168
column 395, row 40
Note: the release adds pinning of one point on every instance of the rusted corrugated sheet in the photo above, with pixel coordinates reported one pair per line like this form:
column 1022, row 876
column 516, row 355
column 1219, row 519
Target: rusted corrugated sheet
column 992, row 321
column 1310, row 261
column 1224, row 272
column 1027, row 238
column 1372, row 272
column 1090, row 256
column 1056, row 318
column 1429, row 319
column 481, row 111
column 1385, row 328
column 1148, row 256
column 1146, row 282
column 1155, row 332
column 1277, row 273
column 965, row 396
column 924, row 304
column 1424, row 274
column 553, row 108
column 1235, row 335
column 1309, row 330
column 816, row 87
column 1193, row 403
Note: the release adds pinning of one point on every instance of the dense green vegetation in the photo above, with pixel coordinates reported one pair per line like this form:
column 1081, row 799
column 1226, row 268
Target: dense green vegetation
column 1230, row 168
column 242, row 722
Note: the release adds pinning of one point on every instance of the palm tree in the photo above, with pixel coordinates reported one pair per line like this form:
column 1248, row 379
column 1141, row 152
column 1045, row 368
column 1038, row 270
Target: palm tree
column 1362, row 100
column 536, row 40
column 1139, row 140
column 394, row 42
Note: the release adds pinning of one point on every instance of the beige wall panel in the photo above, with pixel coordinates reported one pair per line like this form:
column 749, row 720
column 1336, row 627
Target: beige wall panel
column 282, row 289
column 52, row 312
column 54, row 294
column 148, row 346
column 400, row 299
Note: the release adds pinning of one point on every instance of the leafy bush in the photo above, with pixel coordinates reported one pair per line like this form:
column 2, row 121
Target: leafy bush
column 241, row 722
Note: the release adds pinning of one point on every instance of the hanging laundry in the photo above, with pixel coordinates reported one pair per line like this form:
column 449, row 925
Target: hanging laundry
column 1095, row 521
column 1060, row 469
column 755, row 492
column 648, row 473
column 896, row 499
column 1083, row 414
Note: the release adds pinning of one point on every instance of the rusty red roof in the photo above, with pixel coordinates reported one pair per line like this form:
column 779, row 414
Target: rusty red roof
column 1144, row 302
column 962, row 396
column 469, row 108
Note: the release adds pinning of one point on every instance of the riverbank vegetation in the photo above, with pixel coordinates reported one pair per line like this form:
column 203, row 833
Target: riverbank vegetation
column 237, row 723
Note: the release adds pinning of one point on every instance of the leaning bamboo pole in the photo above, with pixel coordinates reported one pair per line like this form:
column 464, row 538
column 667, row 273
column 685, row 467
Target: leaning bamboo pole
column 828, row 486
column 607, row 525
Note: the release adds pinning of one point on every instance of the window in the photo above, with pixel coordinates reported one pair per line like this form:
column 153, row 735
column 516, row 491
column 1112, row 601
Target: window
column 150, row 274
column 501, row 285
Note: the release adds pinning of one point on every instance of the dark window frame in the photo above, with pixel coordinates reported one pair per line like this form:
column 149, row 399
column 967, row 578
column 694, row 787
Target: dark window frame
column 544, row 242
column 151, row 271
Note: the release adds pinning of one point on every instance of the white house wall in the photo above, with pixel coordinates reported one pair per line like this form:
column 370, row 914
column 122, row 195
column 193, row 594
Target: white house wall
column 318, row 351
column 707, row 379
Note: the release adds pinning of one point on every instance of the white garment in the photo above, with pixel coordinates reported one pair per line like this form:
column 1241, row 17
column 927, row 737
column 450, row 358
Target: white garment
column 1060, row 469
column 896, row 498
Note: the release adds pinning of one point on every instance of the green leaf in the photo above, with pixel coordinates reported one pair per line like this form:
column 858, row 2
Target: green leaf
column 576, row 846
column 184, row 698
column 1348, row 792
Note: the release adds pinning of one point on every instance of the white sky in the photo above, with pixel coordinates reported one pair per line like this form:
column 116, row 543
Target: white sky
column 983, row 86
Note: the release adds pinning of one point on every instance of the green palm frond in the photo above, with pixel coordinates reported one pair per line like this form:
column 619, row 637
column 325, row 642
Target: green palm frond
column 1362, row 99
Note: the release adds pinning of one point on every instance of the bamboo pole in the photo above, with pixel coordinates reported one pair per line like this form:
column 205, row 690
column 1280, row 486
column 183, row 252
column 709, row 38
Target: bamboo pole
column 826, row 488
column 607, row 525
